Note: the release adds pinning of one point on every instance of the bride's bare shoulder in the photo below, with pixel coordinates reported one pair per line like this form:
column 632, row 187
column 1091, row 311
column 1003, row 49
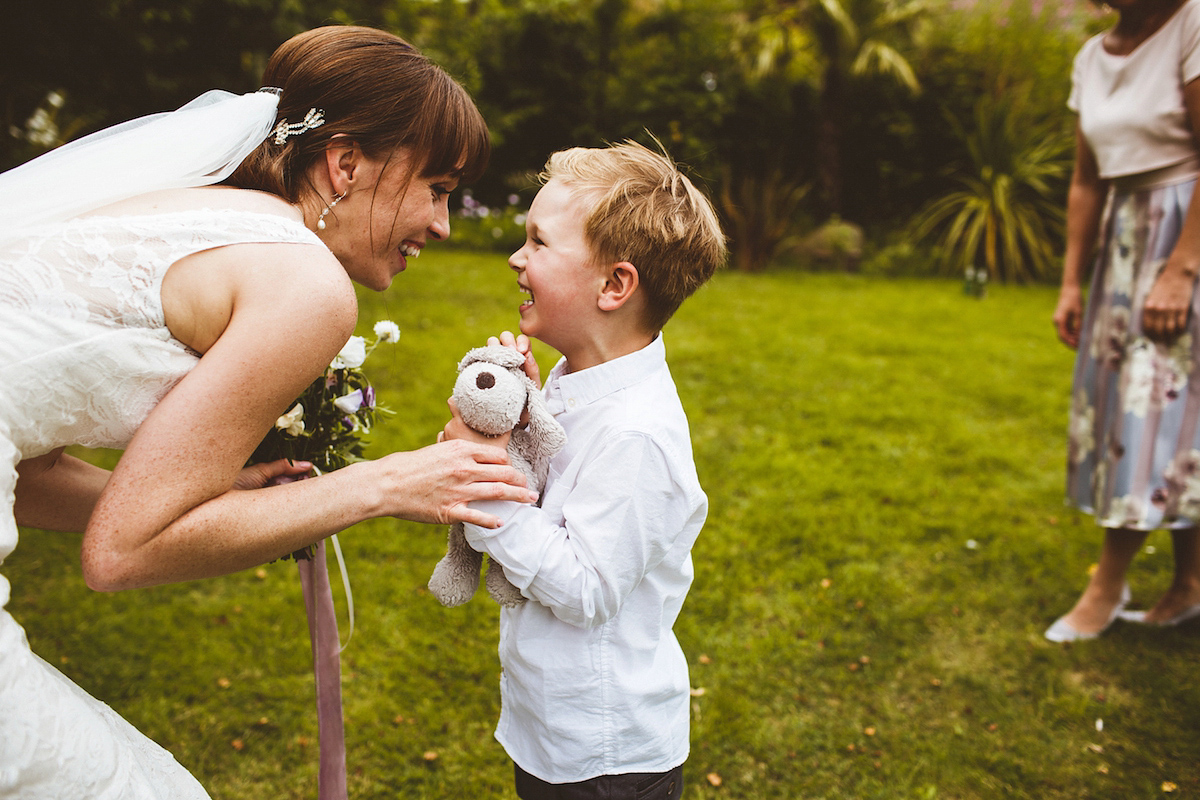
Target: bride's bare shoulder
column 222, row 197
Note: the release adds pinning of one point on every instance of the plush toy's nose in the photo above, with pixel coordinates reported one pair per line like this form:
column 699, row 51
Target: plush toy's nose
column 485, row 380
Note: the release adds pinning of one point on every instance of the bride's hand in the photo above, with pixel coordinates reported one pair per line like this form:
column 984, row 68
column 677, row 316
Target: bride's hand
column 257, row 476
column 436, row 483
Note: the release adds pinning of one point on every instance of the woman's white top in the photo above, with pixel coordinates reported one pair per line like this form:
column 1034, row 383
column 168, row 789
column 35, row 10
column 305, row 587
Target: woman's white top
column 1130, row 107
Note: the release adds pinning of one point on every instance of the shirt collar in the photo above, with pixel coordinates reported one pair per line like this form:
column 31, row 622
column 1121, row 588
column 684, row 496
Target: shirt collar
column 576, row 389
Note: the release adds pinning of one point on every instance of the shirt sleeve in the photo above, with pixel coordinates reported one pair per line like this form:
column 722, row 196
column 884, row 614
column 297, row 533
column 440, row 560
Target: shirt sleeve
column 1077, row 69
column 1189, row 56
column 619, row 520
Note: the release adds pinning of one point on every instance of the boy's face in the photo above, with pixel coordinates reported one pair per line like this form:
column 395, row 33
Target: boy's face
column 556, row 268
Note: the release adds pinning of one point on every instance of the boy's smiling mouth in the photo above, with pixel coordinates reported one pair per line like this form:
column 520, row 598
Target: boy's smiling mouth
column 528, row 297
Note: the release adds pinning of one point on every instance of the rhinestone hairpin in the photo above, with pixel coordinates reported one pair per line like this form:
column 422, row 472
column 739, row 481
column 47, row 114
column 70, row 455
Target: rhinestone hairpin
column 315, row 118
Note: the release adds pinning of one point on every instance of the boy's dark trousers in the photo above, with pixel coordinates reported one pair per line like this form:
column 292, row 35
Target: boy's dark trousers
column 632, row 786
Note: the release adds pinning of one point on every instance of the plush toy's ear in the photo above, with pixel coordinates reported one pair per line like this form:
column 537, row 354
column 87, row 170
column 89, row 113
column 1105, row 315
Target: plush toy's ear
column 543, row 427
column 493, row 354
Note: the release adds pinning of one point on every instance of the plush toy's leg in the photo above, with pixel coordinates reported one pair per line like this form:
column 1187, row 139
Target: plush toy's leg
column 499, row 587
column 456, row 576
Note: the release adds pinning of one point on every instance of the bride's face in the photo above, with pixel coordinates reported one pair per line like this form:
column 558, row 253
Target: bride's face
column 387, row 218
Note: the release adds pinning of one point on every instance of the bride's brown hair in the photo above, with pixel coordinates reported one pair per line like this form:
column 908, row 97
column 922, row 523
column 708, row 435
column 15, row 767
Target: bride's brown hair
column 373, row 88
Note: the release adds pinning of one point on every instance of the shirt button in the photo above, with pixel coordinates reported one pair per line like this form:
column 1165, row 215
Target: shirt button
column 571, row 402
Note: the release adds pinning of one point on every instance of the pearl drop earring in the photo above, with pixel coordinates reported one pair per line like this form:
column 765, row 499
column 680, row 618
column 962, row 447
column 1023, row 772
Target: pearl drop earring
column 337, row 198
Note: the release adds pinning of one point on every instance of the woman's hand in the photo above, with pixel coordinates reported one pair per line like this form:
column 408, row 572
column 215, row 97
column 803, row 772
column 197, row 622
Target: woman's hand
column 1068, row 316
column 257, row 476
column 1165, row 314
column 436, row 483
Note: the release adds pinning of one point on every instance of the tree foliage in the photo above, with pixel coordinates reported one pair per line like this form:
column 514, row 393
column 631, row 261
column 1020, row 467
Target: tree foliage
column 786, row 110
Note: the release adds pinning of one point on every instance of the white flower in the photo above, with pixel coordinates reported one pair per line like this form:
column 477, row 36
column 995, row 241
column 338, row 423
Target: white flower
column 387, row 331
column 293, row 421
column 351, row 402
column 352, row 355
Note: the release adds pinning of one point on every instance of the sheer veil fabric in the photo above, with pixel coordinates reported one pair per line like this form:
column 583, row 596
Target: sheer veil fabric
column 199, row 144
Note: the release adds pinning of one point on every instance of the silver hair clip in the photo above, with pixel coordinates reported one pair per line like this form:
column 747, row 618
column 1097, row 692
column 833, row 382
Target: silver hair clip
column 315, row 118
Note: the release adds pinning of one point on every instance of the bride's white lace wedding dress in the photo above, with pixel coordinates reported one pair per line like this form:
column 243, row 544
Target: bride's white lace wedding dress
column 84, row 357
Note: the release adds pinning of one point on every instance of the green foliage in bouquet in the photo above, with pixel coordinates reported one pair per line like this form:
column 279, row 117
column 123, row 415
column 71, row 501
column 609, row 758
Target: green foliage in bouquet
column 329, row 420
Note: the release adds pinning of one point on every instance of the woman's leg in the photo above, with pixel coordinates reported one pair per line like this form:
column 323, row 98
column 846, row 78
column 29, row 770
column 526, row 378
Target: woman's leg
column 1185, row 586
column 1094, row 609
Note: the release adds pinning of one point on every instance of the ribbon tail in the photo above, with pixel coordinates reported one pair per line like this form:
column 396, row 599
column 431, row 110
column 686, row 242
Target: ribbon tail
column 322, row 629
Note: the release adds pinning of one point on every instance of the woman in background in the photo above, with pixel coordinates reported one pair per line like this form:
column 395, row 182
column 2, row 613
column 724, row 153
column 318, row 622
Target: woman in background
column 1134, row 446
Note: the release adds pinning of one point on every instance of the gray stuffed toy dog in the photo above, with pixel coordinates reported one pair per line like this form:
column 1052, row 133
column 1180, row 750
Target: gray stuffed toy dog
column 492, row 392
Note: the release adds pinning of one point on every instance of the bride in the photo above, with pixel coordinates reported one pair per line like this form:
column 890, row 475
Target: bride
column 145, row 307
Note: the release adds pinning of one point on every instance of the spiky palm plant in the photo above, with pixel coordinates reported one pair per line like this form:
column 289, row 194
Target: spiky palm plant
column 1008, row 216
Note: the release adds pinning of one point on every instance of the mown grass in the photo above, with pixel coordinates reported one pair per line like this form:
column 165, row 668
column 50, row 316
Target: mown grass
column 886, row 543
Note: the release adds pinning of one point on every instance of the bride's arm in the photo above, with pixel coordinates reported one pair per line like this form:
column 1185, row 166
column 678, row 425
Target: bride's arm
column 169, row 513
column 57, row 492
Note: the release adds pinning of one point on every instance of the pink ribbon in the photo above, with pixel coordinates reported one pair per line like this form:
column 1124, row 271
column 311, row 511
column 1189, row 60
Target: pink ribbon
column 327, row 673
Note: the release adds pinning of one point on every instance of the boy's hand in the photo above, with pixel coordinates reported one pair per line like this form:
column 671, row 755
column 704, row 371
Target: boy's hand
column 520, row 343
column 457, row 429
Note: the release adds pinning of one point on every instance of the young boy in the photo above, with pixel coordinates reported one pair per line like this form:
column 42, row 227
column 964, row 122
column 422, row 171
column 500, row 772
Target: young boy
column 595, row 686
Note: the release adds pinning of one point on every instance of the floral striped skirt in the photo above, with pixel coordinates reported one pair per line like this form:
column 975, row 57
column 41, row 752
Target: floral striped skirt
column 1134, row 436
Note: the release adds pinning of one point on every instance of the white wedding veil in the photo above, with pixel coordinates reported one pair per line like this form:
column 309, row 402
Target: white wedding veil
column 199, row 144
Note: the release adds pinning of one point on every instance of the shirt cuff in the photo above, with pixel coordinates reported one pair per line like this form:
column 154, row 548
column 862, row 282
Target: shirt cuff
column 504, row 509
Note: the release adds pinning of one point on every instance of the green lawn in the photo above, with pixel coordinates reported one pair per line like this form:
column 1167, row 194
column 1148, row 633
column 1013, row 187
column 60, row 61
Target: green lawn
column 886, row 543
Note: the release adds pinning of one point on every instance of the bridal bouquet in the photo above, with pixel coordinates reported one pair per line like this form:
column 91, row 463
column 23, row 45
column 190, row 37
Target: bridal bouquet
column 327, row 423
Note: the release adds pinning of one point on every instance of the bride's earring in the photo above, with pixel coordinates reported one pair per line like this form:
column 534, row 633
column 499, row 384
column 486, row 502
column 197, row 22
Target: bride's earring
column 337, row 198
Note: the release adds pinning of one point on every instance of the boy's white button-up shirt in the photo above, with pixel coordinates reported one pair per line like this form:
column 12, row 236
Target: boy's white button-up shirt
column 594, row 681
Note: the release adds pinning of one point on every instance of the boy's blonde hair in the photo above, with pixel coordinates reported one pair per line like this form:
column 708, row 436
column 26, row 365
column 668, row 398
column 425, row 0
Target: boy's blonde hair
column 643, row 210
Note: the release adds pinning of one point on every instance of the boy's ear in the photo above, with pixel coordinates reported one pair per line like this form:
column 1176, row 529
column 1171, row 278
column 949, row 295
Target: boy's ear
column 620, row 283
column 343, row 160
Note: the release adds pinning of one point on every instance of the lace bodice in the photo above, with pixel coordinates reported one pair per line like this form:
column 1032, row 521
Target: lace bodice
column 84, row 351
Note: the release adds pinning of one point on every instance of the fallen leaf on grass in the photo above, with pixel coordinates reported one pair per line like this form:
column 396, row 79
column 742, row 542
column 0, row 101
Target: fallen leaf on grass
column 705, row 659
column 430, row 755
column 261, row 574
column 1168, row 786
column 238, row 744
column 699, row 691
column 1099, row 724
column 1102, row 769
column 224, row 683
column 869, row 731
column 1095, row 748
column 714, row 779
column 826, row 583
